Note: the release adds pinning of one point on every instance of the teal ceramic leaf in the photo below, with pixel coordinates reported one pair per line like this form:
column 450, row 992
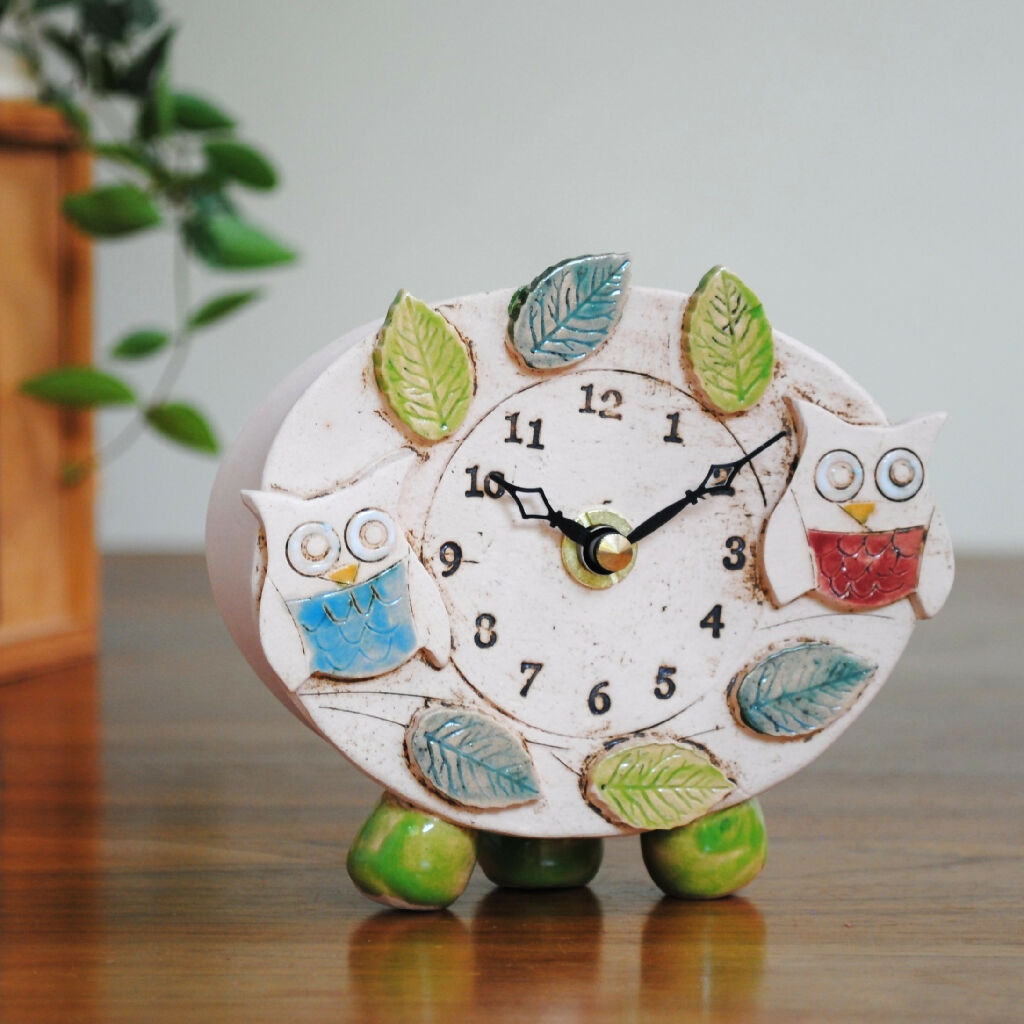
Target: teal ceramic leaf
column 800, row 690
column 569, row 311
column 471, row 759
column 727, row 343
column 655, row 785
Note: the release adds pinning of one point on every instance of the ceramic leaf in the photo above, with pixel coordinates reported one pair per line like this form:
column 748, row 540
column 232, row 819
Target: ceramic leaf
column 727, row 342
column 800, row 690
column 471, row 758
column 569, row 311
column 423, row 369
column 656, row 785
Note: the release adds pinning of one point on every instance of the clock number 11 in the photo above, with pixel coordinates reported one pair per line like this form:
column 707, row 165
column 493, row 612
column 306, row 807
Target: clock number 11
column 513, row 431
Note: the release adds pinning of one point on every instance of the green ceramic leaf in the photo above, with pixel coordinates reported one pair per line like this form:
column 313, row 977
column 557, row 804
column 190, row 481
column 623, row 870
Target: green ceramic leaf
column 111, row 210
column 471, row 759
column 727, row 342
column 140, row 344
column 246, row 165
column 799, row 690
column 221, row 306
column 78, row 385
column 655, row 785
column 423, row 369
column 182, row 424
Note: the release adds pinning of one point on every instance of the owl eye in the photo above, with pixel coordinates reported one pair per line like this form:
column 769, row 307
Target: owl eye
column 313, row 548
column 839, row 475
column 899, row 474
column 371, row 535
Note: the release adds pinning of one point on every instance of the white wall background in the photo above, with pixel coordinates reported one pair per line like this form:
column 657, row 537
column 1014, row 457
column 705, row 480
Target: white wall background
column 860, row 164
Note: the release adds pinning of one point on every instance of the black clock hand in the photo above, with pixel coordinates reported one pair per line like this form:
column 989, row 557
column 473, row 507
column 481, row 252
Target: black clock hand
column 576, row 532
column 717, row 480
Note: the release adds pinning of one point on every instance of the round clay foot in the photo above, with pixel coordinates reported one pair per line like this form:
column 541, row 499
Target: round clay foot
column 525, row 863
column 711, row 857
column 410, row 860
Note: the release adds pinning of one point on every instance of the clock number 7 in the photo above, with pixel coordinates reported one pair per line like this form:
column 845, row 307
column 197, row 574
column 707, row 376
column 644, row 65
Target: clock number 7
column 532, row 670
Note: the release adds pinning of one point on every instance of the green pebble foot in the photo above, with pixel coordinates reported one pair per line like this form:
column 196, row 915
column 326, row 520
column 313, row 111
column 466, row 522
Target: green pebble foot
column 711, row 857
column 518, row 862
column 411, row 860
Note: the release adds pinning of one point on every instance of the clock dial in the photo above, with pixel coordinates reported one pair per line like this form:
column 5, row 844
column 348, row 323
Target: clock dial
column 546, row 649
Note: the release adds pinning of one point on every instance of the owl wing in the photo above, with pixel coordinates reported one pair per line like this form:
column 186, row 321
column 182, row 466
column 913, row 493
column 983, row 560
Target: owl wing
column 936, row 577
column 786, row 564
column 429, row 615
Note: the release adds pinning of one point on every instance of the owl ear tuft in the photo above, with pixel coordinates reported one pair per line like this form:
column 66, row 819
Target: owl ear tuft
column 807, row 415
column 924, row 429
column 257, row 502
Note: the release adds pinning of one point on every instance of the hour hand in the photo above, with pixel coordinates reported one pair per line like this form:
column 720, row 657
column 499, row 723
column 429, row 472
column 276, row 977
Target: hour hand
column 573, row 530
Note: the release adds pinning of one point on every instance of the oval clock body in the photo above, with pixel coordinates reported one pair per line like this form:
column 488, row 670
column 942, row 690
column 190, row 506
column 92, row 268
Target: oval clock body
column 393, row 594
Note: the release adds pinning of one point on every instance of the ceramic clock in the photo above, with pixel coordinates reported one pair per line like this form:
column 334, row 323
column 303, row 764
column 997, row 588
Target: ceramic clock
column 571, row 562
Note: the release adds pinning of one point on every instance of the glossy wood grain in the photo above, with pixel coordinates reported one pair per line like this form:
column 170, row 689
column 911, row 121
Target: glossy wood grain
column 172, row 849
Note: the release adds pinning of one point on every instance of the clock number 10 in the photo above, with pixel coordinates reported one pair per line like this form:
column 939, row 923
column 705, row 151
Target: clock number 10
column 491, row 486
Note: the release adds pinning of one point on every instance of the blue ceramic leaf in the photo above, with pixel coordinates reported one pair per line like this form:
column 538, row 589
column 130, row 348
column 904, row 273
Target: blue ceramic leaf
column 569, row 311
column 471, row 759
column 799, row 690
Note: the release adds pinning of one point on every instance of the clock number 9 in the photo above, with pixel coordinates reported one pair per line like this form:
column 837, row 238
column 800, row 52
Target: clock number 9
column 598, row 701
column 485, row 635
column 451, row 557
column 665, row 686
column 736, row 559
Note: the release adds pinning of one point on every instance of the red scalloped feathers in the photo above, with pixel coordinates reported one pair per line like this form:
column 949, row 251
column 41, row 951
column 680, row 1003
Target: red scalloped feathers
column 867, row 570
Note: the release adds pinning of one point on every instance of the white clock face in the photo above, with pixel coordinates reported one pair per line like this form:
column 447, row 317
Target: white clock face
column 531, row 638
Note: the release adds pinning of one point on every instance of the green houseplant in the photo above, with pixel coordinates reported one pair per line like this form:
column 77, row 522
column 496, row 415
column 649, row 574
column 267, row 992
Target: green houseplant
column 167, row 158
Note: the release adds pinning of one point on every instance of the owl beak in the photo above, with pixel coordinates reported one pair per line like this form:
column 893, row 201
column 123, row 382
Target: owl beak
column 859, row 510
column 346, row 574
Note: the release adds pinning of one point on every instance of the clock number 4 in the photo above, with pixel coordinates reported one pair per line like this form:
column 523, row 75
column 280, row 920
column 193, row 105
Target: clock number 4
column 491, row 486
column 513, row 431
column 598, row 701
column 713, row 621
column 610, row 401
column 531, row 669
column 485, row 635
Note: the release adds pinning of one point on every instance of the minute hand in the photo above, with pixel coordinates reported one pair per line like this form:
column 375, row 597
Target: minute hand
column 724, row 473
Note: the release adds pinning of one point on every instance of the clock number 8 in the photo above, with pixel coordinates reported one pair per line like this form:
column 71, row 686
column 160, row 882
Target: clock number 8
column 598, row 701
column 485, row 635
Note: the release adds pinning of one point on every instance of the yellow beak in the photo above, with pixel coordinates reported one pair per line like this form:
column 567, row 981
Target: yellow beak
column 346, row 574
column 860, row 510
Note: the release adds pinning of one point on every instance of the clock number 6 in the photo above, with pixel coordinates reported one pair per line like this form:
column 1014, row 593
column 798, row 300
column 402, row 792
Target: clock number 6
column 598, row 701
column 485, row 635
column 532, row 670
column 665, row 686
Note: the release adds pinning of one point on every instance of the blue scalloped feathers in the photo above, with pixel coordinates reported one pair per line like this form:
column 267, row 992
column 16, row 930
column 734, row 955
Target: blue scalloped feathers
column 800, row 690
column 568, row 312
column 472, row 759
column 360, row 631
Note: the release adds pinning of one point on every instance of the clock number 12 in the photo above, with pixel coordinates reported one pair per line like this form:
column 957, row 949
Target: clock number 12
column 610, row 401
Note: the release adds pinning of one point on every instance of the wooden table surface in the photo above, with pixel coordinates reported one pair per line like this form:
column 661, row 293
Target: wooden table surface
column 172, row 848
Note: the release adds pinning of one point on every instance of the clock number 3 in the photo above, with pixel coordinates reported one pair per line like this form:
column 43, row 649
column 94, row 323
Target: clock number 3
column 610, row 401
column 485, row 635
column 736, row 559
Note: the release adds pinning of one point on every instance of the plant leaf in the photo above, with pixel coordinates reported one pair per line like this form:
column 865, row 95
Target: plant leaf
column 68, row 45
column 568, row 311
column 140, row 74
column 655, row 785
column 182, row 424
column 123, row 153
column 243, row 163
column 423, row 369
column 79, row 386
column 727, row 342
column 228, row 242
column 471, row 759
column 221, row 306
column 111, row 211
column 798, row 691
column 140, row 344
column 198, row 114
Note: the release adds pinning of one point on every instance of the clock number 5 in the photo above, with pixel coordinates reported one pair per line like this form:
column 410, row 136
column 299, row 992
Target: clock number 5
column 485, row 635
column 665, row 686
column 598, row 701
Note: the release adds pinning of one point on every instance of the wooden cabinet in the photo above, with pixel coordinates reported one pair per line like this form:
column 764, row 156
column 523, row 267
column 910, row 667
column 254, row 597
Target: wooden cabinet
column 48, row 565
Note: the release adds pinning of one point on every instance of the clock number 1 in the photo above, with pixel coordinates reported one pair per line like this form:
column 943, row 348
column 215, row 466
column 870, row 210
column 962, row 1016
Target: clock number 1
column 532, row 670
column 713, row 621
column 485, row 635
column 513, row 431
